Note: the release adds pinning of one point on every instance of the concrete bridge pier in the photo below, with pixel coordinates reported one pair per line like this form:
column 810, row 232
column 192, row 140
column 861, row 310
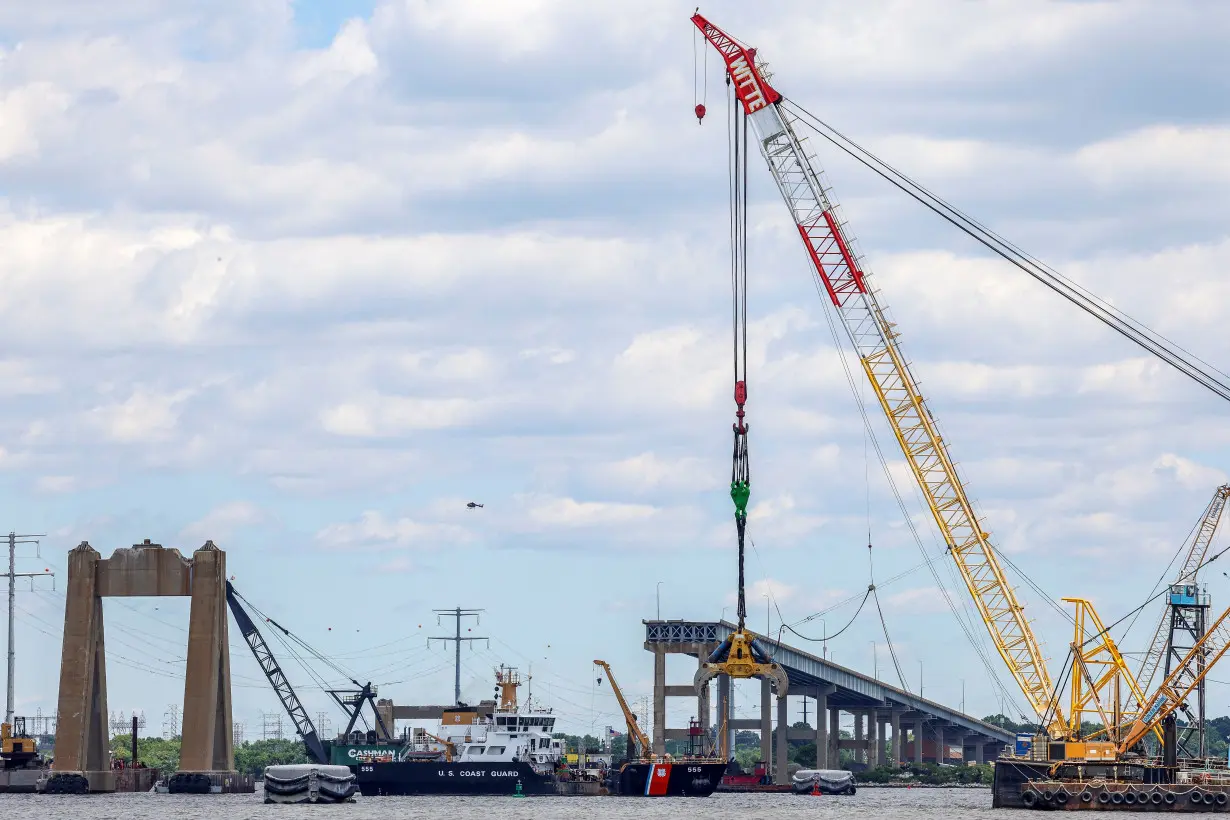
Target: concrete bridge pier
column 82, row 740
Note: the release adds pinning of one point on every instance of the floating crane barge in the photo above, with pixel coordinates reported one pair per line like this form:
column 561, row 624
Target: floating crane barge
column 1059, row 767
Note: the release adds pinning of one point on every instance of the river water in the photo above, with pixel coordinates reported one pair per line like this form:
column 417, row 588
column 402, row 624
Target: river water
column 876, row 804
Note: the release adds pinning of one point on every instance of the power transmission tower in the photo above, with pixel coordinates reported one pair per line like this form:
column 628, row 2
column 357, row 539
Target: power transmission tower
column 323, row 724
column 458, row 613
column 170, row 722
column 271, row 725
column 13, row 575
column 237, row 732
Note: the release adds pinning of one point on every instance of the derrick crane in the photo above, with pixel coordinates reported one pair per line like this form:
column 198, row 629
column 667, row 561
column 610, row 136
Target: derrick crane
column 635, row 732
column 875, row 340
column 277, row 678
column 1203, row 536
column 1180, row 684
column 350, row 701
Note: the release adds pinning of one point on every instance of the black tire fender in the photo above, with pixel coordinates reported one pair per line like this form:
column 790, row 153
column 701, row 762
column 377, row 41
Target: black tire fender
column 1116, row 797
column 1086, row 796
column 1156, row 798
column 1208, row 799
column 1169, row 799
column 1047, row 795
column 1220, row 798
column 1029, row 798
column 1061, row 797
column 1196, row 796
column 1129, row 798
column 1103, row 797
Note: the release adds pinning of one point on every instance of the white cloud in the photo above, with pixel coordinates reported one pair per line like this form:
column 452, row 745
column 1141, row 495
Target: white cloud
column 649, row 472
column 220, row 523
column 145, row 416
column 238, row 266
column 56, row 484
column 373, row 530
column 568, row 512
column 918, row 601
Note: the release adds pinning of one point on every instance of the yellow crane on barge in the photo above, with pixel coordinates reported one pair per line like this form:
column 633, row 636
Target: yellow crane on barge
column 1099, row 672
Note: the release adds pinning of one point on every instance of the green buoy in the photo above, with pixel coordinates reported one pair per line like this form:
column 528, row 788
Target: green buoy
column 518, row 792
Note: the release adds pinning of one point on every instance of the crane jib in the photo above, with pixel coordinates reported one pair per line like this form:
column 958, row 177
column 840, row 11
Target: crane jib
column 750, row 86
column 824, row 240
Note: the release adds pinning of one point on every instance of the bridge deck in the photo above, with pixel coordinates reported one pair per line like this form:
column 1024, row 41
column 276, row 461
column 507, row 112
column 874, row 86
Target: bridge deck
column 853, row 690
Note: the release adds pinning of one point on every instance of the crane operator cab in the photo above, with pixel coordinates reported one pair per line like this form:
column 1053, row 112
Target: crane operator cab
column 17, row 749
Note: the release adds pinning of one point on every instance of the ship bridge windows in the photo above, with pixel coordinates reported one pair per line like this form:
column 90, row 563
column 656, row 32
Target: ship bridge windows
column 495, row 750
column 474, row 750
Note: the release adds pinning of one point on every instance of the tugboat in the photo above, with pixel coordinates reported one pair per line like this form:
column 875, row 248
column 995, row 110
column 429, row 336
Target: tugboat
column 694, row 775
column 511, row 753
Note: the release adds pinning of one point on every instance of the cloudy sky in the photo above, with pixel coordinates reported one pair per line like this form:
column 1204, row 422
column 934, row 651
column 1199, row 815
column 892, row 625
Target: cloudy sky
column 303, row 278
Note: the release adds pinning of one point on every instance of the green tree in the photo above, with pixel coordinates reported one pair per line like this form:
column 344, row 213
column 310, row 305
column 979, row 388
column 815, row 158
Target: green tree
column 155, row 752
column 254, row 756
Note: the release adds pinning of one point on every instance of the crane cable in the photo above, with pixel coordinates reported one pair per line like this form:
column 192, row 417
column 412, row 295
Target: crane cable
column 1169, row 351
column 967, row 627
column 740, row 471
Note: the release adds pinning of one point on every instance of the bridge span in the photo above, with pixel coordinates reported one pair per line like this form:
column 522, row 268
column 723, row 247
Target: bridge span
column 915, row 728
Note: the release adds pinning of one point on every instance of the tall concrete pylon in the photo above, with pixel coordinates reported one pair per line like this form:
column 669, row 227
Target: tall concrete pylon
column 146, row 569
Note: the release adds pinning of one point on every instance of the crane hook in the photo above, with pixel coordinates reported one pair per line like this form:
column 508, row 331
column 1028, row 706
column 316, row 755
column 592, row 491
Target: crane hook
column 700, row 112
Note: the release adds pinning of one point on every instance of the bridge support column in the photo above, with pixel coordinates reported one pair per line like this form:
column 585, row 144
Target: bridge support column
column 766, row 726
column 941, row 748
column 835, row 737
column 780, row 775
column 822, row 736
column 726, row 740
column 659, row 700
column 919, row 728
column 896, row 721
column 860, row 739
column 875, row 754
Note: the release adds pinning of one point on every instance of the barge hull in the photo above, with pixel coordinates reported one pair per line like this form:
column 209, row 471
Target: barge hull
column 1023, row 784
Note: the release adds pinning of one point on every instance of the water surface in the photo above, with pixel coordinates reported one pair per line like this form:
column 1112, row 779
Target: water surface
column 868, row 804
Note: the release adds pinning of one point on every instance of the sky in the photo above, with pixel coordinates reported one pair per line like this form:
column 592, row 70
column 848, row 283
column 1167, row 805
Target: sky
column 304, row 278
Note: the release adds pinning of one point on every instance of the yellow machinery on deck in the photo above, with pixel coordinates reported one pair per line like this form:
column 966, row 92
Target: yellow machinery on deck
column 17, row 749
column 635, row 732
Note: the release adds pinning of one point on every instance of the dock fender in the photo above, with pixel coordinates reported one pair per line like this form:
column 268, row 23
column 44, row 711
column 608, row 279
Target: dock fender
column 1061, row 797
column 1029, row 798
column 1168, row 798
column 1103, row 797
column 1208, row 799
column 1116, row 797
column 1129, row 797
column 1196, row 796
column 1086, row 796
column 1156, row 798
column 1221, row 798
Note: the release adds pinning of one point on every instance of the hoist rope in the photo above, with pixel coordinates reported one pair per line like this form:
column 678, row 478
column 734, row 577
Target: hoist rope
column 1169, row 351
column 966, row 628
column 740, row 470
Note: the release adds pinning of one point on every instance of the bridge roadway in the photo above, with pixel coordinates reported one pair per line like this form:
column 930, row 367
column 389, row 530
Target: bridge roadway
column 891, row 725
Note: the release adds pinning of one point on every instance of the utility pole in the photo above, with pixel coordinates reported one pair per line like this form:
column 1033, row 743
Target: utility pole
column 458, row 613
column 14, row 540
